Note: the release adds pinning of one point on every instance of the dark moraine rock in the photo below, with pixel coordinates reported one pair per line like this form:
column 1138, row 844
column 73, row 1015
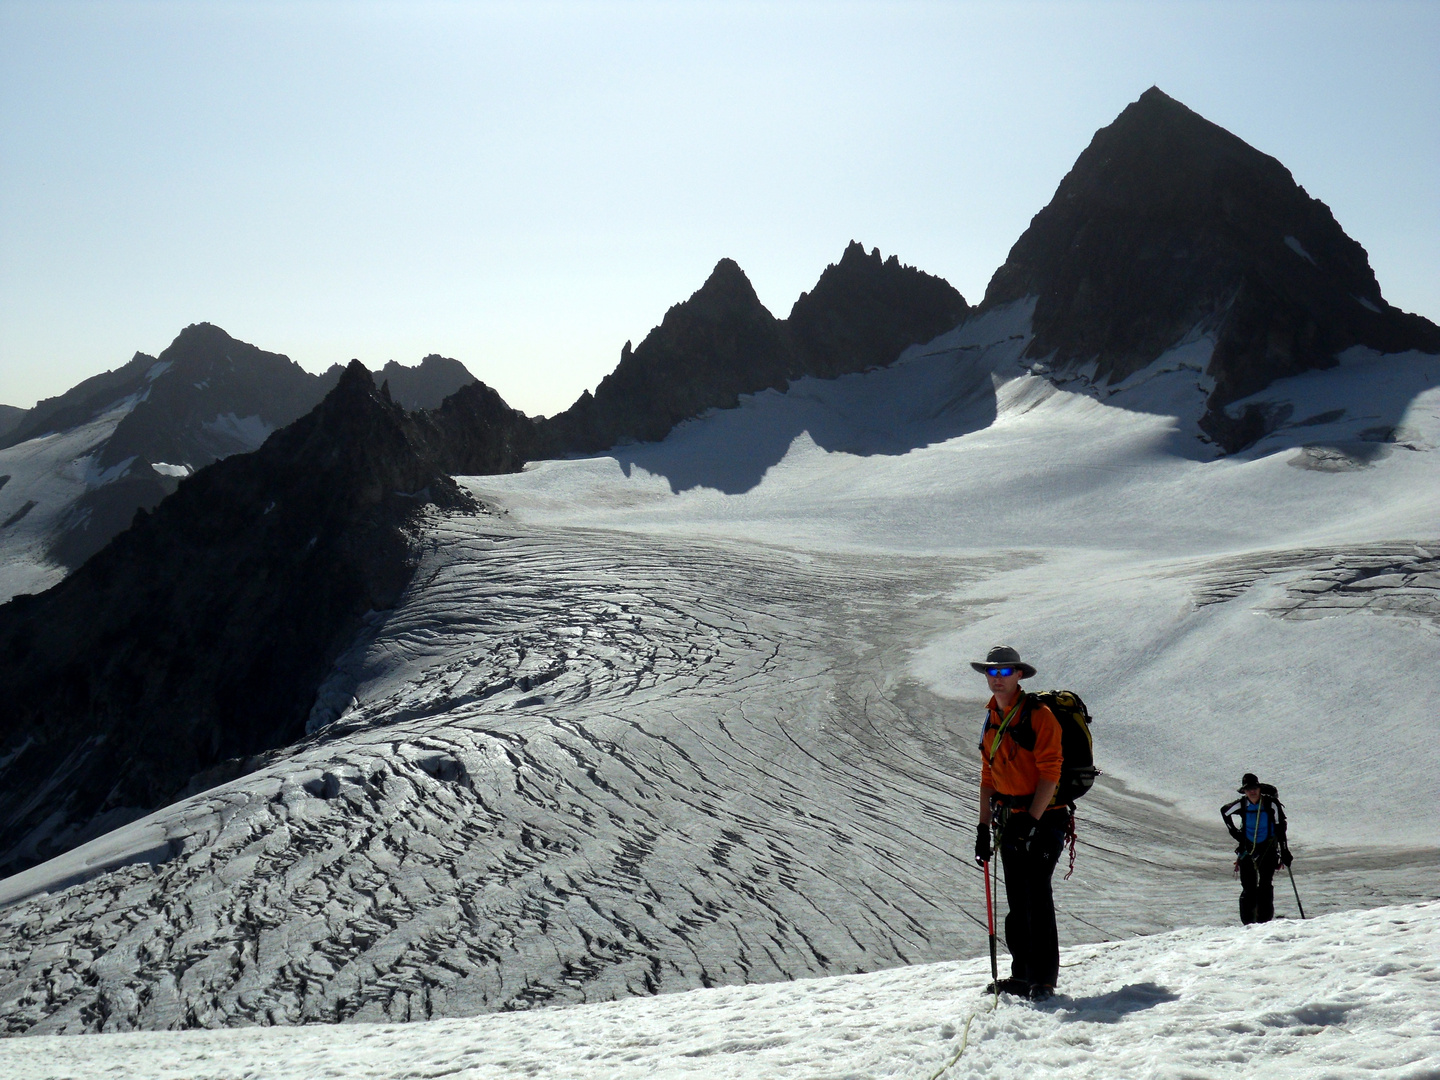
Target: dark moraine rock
column 199, row 635
column 1167, row 222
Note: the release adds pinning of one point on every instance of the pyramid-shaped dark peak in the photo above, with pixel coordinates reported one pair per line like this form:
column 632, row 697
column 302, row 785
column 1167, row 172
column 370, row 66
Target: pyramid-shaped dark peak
column 1159, row 153
column 718, row 344
column 1167, row 225
column 356, row 379
column 726, row 291
column 202, row 345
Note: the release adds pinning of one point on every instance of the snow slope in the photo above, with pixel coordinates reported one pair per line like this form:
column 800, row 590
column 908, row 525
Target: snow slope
column 700, row 713
column 46, row 477
column 1348, row 995
column 1195, row 602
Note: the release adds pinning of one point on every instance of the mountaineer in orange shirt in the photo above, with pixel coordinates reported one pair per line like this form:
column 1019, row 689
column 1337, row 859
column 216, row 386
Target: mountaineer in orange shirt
column 1020, row 758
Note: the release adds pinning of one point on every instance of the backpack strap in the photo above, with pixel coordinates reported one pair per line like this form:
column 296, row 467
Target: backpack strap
column 1023, row 730
column 1015, row 710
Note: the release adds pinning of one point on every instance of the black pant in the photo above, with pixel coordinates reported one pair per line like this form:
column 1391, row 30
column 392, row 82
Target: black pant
column 1030, row 923
column 1257, row 888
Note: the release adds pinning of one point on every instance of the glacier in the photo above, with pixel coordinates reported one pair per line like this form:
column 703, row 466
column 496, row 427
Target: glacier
column 699, row 714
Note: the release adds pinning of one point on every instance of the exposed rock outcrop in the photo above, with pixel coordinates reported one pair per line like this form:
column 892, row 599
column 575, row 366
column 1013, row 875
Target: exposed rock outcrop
column 1167, row 222
column 865, row 311
column 205, row 397
column 10, row 418
column 723, row 342
column 707, row 351
column 199, row 635
column 425, row 385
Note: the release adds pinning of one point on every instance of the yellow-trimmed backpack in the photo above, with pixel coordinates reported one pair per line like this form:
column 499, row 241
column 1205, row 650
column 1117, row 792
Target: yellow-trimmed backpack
column 1077, row 770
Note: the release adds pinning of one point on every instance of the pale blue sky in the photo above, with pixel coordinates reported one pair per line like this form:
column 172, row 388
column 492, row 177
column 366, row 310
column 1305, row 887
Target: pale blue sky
column 526, row 186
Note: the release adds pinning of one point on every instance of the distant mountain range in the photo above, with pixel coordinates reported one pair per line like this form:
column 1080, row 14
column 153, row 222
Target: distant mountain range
column 193, row 643
column 81, row 464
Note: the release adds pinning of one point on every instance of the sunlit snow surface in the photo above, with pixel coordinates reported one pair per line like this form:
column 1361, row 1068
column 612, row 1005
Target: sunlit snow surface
column 1354, row 994
column 700, row 713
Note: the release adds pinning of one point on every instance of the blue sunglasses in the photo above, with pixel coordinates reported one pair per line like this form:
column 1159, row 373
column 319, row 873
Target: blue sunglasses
column 1001, row 671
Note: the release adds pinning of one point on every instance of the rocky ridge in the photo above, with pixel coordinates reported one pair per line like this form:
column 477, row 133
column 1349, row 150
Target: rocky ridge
column 197, row 637
column 10, row 417
column 722, row 342
column 205, row 397
column 196, row 641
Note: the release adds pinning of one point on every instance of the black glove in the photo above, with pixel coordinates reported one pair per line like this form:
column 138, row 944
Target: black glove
column 1022, row 832
column 1285, row 857
column 982, row 844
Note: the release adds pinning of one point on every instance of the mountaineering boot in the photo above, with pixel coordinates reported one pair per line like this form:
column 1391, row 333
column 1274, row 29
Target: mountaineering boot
column 1041, row 992
column 1018, row 987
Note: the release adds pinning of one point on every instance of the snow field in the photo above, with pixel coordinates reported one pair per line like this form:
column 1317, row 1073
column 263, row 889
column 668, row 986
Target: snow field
column 699, row 714
column 1352, row 994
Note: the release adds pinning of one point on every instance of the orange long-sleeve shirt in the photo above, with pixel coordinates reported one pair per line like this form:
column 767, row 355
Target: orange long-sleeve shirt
column 1015, row 770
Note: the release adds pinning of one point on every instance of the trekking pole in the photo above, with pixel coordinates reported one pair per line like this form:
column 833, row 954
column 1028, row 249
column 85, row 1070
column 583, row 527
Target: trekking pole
column 990, row 922
column 1297, row 892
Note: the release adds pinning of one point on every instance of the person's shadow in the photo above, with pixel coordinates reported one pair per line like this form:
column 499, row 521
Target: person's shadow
column 1110, row 1008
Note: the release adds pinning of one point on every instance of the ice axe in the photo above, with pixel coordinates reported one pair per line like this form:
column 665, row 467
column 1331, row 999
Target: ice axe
column 990, row 923
column 1287, row 870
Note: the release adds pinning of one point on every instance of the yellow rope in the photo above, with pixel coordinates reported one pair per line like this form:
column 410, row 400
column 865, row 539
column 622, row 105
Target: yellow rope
column 964, row 1038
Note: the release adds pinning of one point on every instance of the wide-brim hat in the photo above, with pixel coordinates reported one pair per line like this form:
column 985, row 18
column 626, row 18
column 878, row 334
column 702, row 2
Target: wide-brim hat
column 1249, row 780
column 1004, row 656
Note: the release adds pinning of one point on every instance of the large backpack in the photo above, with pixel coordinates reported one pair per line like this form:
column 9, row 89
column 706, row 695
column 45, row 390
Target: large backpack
column 1077, row 770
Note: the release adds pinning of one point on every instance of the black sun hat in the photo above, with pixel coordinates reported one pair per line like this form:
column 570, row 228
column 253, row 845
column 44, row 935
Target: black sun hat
column 1004, row 656
column 1249, row 780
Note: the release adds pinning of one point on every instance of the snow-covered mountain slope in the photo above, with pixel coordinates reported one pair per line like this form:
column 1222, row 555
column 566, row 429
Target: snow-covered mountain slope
column 673, row 717
column 81, row 464
column 1348, row 995
column 45, row 478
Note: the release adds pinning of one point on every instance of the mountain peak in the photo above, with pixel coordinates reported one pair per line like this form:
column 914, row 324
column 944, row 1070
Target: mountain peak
column 202, row 335
column 1168, row 224
column 727, row 288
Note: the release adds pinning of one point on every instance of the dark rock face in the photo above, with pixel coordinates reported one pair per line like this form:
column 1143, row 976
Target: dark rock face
column 1167, row 222
column 199, row 635
column 864, row 312
column 717, row 345
column 723, row 342
column 477, row 434
column 10, row 418
column 425, row 385
column 216, row 397
column 204, row 398
column 81, row 402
